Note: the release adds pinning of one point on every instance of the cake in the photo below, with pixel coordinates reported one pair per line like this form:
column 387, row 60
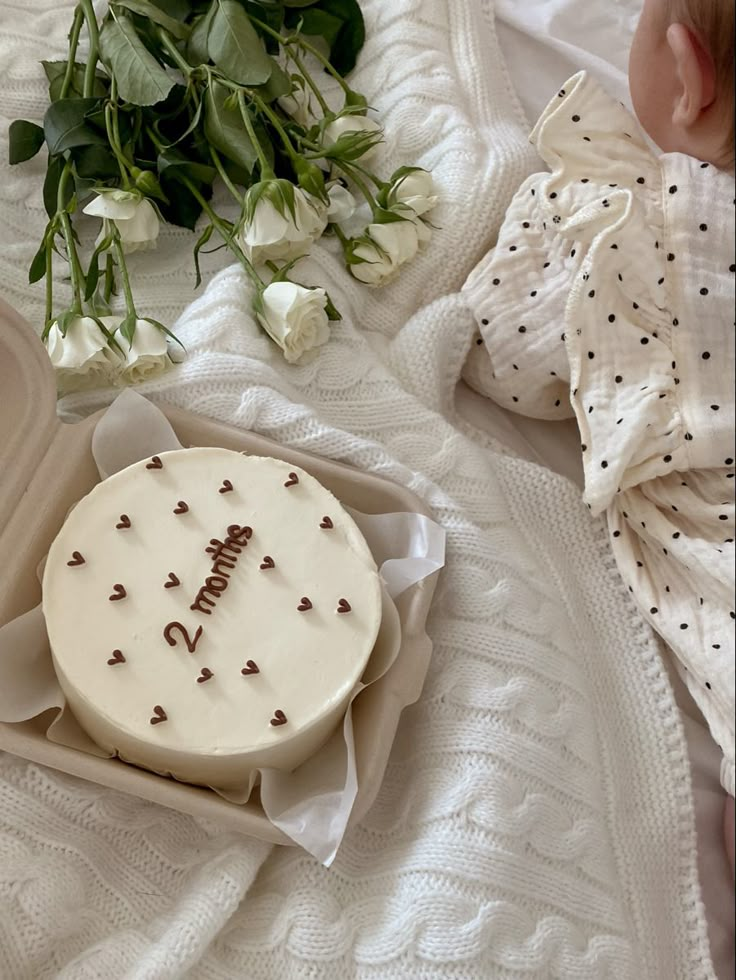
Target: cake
column 210, row 613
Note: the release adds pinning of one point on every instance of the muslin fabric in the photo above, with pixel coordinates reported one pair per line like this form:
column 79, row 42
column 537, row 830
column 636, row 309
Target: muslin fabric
column 610, row 297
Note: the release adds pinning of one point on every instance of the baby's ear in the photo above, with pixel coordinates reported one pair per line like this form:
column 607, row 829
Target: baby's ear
column 695, row 73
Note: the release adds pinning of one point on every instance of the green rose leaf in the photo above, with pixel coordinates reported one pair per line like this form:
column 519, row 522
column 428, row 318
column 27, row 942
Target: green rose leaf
column 235, row 47
column 178, row 9
column 55, row 71
column 298, row 3
column 350, row 37
column 224, row 128
column 176, row 164
column 272, row 15
column 278, row 84
column 319, row 23
column 26, row 139
column 95, row 163
column 150, row 10
column 140, row 78
column 197, row 53
column 37, row 269
column 182, row 208
column 51, row 186
column 66, row 125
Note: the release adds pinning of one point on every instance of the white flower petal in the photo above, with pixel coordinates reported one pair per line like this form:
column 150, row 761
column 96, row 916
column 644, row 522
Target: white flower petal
column 295, row 318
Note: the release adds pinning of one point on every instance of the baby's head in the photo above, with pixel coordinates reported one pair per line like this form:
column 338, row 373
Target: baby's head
column 681, row 74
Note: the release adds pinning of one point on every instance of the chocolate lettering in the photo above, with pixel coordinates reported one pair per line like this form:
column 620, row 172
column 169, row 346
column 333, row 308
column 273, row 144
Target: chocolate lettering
column 190, row 643
column 201, row 597
column 217, row 567
column 224, row 556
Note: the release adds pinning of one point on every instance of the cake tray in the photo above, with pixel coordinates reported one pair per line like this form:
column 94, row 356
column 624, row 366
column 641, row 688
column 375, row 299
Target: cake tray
column 47, row 465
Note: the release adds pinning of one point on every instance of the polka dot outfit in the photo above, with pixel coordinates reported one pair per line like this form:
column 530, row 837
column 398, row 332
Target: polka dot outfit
column 610, row 296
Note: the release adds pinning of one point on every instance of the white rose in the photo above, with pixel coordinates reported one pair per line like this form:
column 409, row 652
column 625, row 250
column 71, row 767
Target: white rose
column 81, row 357
column 386, row 249
column 415, row 190
column 146, row 356
column 273, row 235
column 295, row 317
column 134, row 217
column 351, row 124
column 342, row 203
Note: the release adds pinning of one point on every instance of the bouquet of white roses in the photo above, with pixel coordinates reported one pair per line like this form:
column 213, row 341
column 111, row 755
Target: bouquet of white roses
column 174, row 95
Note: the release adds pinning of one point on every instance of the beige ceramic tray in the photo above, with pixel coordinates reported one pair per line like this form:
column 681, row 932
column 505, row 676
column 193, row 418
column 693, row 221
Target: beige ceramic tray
column 46, row 466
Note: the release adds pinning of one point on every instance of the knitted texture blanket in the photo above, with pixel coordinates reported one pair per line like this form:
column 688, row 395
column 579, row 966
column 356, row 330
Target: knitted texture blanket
column 536, row 818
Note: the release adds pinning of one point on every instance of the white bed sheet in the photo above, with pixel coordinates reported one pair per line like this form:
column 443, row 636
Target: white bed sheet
column 544, row 42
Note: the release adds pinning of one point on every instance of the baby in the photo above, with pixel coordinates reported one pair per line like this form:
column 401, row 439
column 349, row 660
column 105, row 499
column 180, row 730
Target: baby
column 610, row 297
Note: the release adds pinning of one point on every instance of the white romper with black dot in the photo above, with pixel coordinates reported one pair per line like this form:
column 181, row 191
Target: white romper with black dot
column 610, row 296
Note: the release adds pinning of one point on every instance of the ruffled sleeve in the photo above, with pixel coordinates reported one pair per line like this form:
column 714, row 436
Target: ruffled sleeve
column 605, row 194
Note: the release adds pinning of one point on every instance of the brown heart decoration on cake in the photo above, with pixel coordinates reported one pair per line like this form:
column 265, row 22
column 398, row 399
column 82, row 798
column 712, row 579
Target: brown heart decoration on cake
column 172, row 581
column 226, row 487
column 279, row 718
column 344, row 606
column 327, row 523
column 205, row 675
column 155, row 463
column 251, row 667
column 118, row 592
column 304, row 605
column 292, row 481
column 76, row 559
column 117, row 658
column 159, row 715
column 123, row 523
column 181, row 507
column 268, row 562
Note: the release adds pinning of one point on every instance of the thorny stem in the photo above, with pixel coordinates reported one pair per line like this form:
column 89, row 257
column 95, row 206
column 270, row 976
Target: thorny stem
column 310, row 82
column 120, row 255
column 173, row 51
column 94, row 47
column 266, row 171
column 73, row 42
column 68, row 233
column 224, row 176
column 226, row 232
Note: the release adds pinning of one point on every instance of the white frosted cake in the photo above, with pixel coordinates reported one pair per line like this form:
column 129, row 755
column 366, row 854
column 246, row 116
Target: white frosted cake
column 210, row 613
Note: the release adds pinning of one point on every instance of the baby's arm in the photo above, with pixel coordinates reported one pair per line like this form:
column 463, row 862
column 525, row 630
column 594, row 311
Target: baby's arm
column 518, row 295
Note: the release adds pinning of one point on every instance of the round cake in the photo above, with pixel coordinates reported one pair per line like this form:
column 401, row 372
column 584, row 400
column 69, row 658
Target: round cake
column 210, row 613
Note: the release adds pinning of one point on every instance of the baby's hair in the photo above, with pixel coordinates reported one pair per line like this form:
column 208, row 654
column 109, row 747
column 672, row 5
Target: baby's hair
column 713, row 21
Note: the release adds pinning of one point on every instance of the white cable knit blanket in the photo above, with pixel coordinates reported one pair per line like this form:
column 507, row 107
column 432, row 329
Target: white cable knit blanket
column 536, row 818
